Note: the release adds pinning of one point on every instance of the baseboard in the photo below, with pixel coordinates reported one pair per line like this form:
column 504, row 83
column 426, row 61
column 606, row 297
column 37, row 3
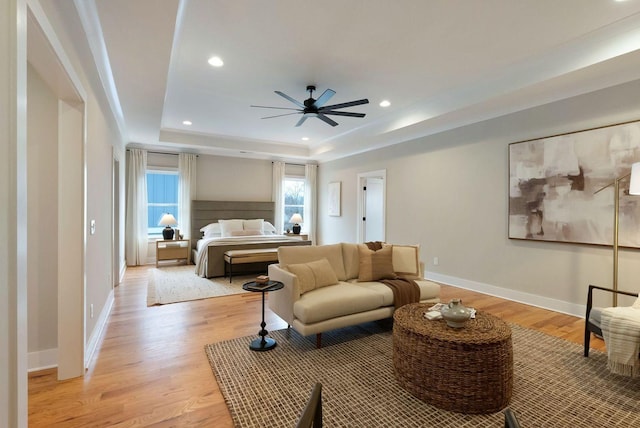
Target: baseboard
column 123, row 270
column 41, row 360
column 509, row 294
column 92, row 343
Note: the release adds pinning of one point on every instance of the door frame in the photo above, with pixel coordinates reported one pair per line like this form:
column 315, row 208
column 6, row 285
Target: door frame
column 362, row 179
column 49, row 59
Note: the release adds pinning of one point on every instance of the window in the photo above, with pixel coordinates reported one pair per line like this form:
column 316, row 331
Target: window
column 162, row 197
column 293, row 199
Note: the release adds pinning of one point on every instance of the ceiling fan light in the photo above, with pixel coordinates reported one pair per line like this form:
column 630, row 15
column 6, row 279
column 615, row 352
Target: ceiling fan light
column 187, row 122
column 215, row 61
column 385, row 103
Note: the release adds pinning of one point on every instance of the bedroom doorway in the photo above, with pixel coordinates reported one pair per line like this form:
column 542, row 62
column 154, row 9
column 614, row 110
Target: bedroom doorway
column 372, row 206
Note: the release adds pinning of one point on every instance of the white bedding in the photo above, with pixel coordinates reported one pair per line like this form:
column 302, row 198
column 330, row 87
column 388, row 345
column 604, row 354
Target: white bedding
column 203, row 244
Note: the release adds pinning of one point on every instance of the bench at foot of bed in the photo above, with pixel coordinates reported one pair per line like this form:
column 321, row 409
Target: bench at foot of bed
column 257, row 255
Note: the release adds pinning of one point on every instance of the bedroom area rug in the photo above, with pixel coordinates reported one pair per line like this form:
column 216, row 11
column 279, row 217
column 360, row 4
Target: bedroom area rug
column 554, row 385
column 173, row 284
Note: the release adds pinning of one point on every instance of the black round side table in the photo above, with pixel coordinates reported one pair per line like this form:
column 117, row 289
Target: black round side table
column 263, row 343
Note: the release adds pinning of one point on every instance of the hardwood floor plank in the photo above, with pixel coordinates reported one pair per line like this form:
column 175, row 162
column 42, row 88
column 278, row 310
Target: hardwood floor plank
column 151, row 368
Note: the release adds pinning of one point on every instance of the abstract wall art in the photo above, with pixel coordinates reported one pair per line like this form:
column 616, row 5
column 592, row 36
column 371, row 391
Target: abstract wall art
column 553, row 183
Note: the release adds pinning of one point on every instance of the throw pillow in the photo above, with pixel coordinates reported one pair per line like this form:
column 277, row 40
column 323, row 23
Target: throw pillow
column 406, row 261
column 313, row 275
column 375, row 265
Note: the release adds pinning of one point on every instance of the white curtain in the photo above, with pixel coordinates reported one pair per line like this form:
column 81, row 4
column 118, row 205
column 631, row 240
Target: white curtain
column 137, row 240
column 278, row 195
column 311, row 201
column 186, row 191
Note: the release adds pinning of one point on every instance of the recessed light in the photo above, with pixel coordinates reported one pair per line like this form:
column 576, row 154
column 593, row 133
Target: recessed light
column 187, row 122
column 385, row 103
column 216, row 61
column 305, row 138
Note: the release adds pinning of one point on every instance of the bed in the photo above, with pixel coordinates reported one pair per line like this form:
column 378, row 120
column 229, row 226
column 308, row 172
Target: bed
column 208, row 252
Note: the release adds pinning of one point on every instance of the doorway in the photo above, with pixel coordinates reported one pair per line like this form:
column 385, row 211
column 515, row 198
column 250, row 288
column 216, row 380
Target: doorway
column 115, row 243
column 48, row 61
column 372, row 206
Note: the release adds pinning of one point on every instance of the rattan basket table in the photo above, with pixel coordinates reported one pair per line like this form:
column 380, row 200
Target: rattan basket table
column 467, row 370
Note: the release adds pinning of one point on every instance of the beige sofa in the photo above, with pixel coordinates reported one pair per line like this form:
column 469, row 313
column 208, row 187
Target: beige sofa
column 326, row 287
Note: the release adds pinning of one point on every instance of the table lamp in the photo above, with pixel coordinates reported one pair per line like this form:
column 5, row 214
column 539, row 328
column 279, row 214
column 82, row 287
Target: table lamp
column 167, row 220
column 295, row 219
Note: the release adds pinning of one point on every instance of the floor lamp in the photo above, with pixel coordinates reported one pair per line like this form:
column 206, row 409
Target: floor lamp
column 634, row 189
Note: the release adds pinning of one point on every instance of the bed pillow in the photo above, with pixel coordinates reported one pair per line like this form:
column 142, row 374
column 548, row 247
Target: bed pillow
column 268, row 228
column 313, row 275
column 246, row 232
column 406, row 261
column 375, row 265
column 211, row 228
column 228, row 226
column 255, row 224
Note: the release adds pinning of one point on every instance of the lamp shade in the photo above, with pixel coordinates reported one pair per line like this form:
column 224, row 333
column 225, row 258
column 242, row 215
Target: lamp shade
column 168, row 220
column 634, row 181
column 296, row 218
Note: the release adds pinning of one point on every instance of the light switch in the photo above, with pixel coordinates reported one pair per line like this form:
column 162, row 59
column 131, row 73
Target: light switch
column 93, row 227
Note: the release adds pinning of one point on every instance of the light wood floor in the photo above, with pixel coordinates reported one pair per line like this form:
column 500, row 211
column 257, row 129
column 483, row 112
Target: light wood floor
column 151, row 368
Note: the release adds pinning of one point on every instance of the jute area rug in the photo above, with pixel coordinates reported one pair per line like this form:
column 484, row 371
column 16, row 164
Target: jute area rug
column 172, row 284
column 554, row 385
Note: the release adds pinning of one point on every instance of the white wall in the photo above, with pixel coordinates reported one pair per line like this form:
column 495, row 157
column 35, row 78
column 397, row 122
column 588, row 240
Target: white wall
column 233, row 179
column 42, row 214
column 99, row 158
column 449, row 193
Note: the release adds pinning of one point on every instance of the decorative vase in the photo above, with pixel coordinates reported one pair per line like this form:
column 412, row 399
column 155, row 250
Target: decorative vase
column 456, row 314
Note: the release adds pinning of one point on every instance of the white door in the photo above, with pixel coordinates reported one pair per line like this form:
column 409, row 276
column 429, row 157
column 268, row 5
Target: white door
column 373, row 210
column 371, row 206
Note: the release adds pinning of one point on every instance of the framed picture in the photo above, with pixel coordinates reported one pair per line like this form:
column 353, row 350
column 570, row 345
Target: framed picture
column 334, row 199
column 560, row 187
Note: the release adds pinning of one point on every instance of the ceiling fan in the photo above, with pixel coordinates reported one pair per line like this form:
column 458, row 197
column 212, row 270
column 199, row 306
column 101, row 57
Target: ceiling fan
column 316, row 107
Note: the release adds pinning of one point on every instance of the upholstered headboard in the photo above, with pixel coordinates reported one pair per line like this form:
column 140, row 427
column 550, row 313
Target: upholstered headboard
column 205, row 212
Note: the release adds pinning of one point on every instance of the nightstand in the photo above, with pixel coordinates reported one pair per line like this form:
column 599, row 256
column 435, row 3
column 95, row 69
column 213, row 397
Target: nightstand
column 301, row 236
column 177, row 249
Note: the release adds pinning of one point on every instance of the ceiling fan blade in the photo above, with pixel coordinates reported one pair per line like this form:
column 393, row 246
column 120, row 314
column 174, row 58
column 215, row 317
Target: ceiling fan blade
column 322, row 99
column 302, row 119
column 279, row 108
column 344, row 113
column 343, row 105
column 280, row 115
column 324, row 118
column 296, row 102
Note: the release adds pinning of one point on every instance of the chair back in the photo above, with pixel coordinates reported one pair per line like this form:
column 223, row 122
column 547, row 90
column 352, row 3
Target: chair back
column 510, row 420
column 312, row 414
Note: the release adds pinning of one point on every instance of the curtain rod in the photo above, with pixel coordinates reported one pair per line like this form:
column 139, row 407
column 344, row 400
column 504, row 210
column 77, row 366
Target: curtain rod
column 163, row 153
column 298, row 164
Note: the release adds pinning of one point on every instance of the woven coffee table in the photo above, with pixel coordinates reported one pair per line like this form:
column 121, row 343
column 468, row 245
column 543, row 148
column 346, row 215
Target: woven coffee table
column 467, row 370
